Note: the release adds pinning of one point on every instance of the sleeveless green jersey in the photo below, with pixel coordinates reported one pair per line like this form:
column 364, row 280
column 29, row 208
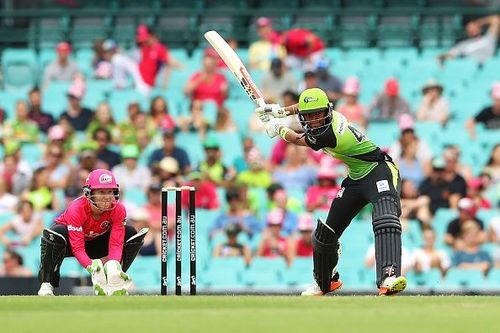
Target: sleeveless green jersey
column 346, row 143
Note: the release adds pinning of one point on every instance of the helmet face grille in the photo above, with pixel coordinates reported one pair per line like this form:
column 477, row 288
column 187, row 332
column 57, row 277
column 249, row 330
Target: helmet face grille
column 317, row 131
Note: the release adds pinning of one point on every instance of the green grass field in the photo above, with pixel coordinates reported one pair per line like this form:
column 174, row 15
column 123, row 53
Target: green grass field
column 147, row 314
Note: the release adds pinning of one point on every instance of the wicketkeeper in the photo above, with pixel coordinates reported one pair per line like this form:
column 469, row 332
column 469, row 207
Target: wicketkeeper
column 373, row 178
column 92, row 229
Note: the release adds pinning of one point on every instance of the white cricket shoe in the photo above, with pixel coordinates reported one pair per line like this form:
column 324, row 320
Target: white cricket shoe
column 46, row 289
column 314, row 289
column 392, row 285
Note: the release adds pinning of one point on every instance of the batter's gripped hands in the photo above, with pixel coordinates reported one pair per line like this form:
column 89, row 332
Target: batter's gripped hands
column 265, row 111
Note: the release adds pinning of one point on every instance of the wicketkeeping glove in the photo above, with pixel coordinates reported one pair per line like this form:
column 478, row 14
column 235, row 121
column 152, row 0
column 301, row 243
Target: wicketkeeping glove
column 99, row 281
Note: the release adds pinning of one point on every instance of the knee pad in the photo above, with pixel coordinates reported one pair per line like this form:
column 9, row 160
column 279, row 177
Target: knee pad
column 52, row 251
column 325, row 254
column 387, row 230
column 132, row 247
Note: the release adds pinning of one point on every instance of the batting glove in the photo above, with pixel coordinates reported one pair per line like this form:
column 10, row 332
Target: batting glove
column 273, row 127
column 270, row 109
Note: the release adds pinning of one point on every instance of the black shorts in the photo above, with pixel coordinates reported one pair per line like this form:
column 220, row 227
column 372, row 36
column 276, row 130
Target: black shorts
column 353, row 195
column 96, row 248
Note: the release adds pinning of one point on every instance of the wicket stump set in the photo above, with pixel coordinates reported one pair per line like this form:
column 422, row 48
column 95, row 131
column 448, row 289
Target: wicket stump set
column 178, row 239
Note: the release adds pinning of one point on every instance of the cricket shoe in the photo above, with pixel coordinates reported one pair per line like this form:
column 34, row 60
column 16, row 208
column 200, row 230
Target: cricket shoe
column 392, row 285
column 46, row 289
column 315, row 290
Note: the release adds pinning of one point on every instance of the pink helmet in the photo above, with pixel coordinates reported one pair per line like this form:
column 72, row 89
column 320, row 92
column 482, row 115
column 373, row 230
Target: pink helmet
column 101, row 179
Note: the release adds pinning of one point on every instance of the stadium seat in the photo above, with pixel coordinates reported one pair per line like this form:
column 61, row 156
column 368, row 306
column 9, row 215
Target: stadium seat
column 429, row 279
column 72, row 268
column 19, row 69
column 145, row 271
column 135, row 196
column 463, row 277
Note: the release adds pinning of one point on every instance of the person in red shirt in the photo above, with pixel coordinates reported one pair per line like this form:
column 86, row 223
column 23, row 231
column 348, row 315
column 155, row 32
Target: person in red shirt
column 92, row 229
column 304, row 49
column 321, row 196
column 273, row 244
column 303, row 245
column 205, row 195
column 154, row 55
column 208, row 84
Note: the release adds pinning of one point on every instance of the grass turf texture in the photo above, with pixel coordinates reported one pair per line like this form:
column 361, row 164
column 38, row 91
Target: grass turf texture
column 147, row 314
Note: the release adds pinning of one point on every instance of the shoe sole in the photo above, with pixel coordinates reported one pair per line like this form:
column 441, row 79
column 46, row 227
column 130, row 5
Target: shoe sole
column 331, row 291
column 397, row 287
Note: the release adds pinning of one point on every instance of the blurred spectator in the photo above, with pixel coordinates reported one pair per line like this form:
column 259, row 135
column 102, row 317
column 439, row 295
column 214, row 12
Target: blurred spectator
column 154, row 55
column 451, row 155
column 279, row 200
column 351, row 108
column 273, row 244
column 327, row 81
column 79, row 117
column 437, row 188
column 409, row 165
column 477, row 47
column 389, row 104
column 160, row 115
column 40, row 195
column 267, row 47
column 36, row 114
column 295, row 174
column 304, row 49
column 475, row 191
column 236, row 214
column 61, row 69
column 278, row 197
column 407, row 261
column 16, row 172
column 103, row 138
column 212, row 168
column 152, row 242
column 208, row 84
column 130, row 174
column 167, row 172
column 428, row 256
column 310, row 81
column 58, row 170
column 13, row 265
column 466, row 213
column 205, row 195
column 493, row 165
column 302, row 246
column 453, row 175
column 277, row 81
column 26, row 225
column 414, row 205
column 170, row 149
column 489, row 116
column 408, row 136
column 8, row 202
column 240, row 163
column 256, row 175
column 494, row 237
column 470, row 255
column 153, row 207
column 87, row 161
column 103, row 118
column 434, row 107
column 321, row 196
column 21, row 128
column 123, row 68
column 224, row 122
column 100, row 63
column 232, row 248
column 195, row 121
column 57, row 135
column 127, row 131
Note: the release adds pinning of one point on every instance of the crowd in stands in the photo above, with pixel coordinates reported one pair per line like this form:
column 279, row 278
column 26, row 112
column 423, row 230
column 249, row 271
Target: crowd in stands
column 267, row 204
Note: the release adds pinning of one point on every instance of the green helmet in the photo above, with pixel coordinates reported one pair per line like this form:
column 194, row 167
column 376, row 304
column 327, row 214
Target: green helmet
column 311, row 101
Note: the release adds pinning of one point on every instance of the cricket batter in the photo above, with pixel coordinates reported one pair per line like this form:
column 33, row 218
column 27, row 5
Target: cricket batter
column 92, row 229
column 373, row 178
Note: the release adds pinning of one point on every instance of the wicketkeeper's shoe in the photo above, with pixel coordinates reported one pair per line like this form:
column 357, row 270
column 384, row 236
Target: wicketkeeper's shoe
column 392, row 285
column 315, row 290
column 46, row 289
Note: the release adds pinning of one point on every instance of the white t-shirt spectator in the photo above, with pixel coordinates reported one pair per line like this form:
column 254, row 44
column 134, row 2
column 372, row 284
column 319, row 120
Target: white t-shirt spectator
column 55, row 72
column 495, row 228
column 8, row 203
column 139, row 178
column 406, row 258
column 424, row 260
column 479, row 48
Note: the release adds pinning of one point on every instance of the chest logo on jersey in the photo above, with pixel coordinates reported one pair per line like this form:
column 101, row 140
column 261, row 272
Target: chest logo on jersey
column 341, row 126
column 105, row 179
column 382, row 186
column 105, row 225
